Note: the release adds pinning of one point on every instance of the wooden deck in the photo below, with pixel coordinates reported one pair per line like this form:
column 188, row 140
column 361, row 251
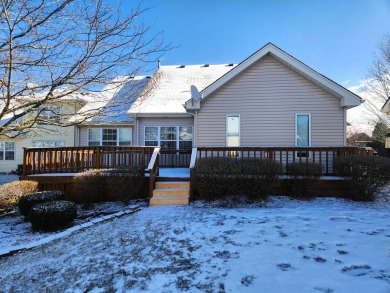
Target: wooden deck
column 54, row 168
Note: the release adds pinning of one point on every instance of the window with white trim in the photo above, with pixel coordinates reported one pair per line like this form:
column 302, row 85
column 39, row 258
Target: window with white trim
column 48, row 143
column 109, row 136
column 7, row 151
column 233, row 130
column 169, row 137
column 302, row 130
column 302, row 133
column 49, row 114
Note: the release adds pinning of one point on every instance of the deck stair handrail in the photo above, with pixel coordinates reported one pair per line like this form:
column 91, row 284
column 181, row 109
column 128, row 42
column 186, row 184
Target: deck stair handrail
column 79, row 159
column 153, row 169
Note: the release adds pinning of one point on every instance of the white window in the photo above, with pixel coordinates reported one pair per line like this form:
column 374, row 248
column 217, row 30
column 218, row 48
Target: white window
column 48, row 143
column 233, row 130
column 302, row 130
column 169, row 137
column 49, row 114
column 109, row 136
column 7, row 151
column 303, row 133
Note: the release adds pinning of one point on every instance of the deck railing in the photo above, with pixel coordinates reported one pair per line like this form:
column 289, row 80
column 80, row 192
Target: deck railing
column 153, row 170
column 285, row 155
column 78, row 159
column 175, row 158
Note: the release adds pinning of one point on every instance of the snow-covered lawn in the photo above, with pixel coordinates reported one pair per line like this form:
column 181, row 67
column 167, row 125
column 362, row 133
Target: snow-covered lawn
column 326, row 245
column 8, row 178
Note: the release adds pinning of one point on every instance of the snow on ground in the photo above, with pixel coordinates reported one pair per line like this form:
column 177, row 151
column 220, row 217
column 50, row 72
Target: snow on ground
column 16, row 232
column 325, row 245
column 8, row 178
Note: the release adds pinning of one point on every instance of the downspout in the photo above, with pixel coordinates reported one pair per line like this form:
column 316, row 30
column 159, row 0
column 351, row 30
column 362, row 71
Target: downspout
column 195, row 144
column 345, row 126
column 137, row 129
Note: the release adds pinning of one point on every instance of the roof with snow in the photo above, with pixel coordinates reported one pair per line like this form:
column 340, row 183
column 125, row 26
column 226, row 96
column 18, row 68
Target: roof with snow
column 111, row 103
column 169, row 88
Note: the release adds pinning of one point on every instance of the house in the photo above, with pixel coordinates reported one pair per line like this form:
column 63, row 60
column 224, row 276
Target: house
column 271, row 103
column 46, row 132
column 269, row 99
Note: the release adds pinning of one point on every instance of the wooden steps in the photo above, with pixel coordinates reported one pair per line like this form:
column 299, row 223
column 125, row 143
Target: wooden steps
column 171, row 193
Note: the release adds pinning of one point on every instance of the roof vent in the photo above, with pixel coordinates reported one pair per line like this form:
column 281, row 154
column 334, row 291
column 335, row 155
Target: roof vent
column 182, row 66
column 206, row 65
column 231, row 64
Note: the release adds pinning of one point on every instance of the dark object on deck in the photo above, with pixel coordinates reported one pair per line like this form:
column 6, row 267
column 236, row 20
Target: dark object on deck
column 19, row 170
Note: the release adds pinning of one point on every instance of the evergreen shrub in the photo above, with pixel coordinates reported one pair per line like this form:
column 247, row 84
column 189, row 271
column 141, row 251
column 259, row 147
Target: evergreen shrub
column 302, row 179
column 52, row 215
column 218, row 177
column 28, row 201
column 108, row 184
column 364, row 176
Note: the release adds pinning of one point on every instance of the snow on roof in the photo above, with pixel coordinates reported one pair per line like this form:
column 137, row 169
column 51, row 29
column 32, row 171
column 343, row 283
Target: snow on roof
column 169, row 88
column 60, row 94
column 112, row 102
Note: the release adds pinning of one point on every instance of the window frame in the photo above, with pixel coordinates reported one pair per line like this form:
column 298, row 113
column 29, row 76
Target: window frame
column 227, row 129
column 49, row 113
column 4, row 151
column 177, row 136
column 302, row 154
column 118, row 138
column 48, row 141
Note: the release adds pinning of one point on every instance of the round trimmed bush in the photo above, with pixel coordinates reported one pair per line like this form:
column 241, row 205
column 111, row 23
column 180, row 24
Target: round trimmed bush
column 52, row 215
column 27, row 201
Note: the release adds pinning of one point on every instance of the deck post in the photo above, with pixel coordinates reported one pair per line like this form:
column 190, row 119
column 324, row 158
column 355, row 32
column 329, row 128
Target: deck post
column 143, row 157
column 192, row 166
column 24, row 162
column 98, row 158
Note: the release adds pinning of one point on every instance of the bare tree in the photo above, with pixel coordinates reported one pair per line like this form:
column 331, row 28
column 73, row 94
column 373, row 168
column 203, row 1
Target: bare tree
column 377, row 85
column 53, row 49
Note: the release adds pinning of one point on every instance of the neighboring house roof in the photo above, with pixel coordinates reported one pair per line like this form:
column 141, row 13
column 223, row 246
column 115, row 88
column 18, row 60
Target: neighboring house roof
column 113, row 101
column 68, row 95
column 169, row 88
column 360, row 137
column 386, row 107
column 347, row 98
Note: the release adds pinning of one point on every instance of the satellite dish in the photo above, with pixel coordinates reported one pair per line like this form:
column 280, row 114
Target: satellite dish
column 196, row 96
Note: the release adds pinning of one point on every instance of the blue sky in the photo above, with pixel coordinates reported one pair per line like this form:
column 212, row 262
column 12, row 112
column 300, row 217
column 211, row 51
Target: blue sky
column 336, row 38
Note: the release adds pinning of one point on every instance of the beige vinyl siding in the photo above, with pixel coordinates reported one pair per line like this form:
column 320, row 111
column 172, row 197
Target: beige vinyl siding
column 83, row 132
column 267, row 96
column 65, row 134
column 161, row 122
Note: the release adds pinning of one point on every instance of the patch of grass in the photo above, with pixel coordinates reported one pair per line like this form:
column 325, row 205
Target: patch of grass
column 355, row 267
column 183, row 283
column 247, row 280
column 282, row 234
column 284, row 266
column 319, row 259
